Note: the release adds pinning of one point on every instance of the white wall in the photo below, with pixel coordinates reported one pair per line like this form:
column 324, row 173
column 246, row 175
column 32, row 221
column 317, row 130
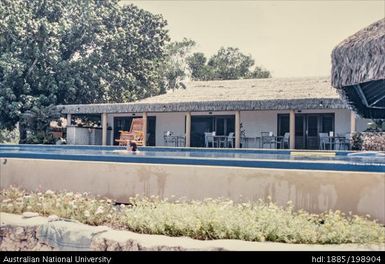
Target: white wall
column 255, row 122
column 85, row 136
column 362, row 124
column 342, row 121
column 174, row 122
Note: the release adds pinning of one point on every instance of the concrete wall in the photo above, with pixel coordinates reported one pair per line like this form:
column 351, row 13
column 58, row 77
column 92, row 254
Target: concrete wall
column 174, row 122
column 362, row 124
column 86, row 136
column 315, row 191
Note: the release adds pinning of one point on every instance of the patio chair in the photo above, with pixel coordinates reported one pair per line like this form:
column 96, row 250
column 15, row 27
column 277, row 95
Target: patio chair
column 168, row 138
column 348, row 140
column 323, row 140
column 284, row 141
column 209, row 138
column 268, row 138
column 343, row 143
column 230, row 140
column 135, row 133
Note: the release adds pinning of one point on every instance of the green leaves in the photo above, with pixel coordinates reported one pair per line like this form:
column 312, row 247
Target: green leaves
column 64, row 52
column 227, row 64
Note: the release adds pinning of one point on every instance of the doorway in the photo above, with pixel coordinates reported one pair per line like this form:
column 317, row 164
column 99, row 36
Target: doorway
column 222, row 125
column 124, row 123
column 307, row 128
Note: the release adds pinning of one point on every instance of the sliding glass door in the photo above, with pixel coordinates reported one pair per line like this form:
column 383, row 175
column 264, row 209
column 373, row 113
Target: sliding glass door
column 307, row 128
column 222, row 125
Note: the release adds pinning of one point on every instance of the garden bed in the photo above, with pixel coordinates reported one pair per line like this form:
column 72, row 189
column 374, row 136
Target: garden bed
column 204, row 220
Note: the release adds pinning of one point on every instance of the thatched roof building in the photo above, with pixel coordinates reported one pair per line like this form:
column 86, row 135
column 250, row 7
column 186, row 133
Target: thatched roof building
column 252, row 94
column 358, row 70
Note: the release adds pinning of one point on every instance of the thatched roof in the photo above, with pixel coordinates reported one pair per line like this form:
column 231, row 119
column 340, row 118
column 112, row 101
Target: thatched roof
column 361, row 57
column 358, row 70
column 252, row 94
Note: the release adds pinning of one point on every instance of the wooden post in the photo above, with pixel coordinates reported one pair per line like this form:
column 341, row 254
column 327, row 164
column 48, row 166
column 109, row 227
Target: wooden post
column 237, row 129
column 104, row 129
column 188, row 129
column 292, row 129
column 144, row 129
column 352, row 122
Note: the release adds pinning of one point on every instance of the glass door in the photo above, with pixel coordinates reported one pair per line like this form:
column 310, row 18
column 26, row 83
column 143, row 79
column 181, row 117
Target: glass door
column 312, row 130
column 200, row 125
column 220, row 126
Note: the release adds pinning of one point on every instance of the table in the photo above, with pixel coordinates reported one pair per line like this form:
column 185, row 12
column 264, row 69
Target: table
column 246, row 140
column 221, row 140
column 177, row 141
column 272, row 141
column 336, row 140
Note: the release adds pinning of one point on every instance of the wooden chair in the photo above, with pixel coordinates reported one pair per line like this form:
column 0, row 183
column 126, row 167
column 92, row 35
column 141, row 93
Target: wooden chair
column 135, row 133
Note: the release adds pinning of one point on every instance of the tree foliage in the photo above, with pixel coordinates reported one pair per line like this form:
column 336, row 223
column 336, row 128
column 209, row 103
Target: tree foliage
column 200, row 71
column 227, row 64
column 175, row 68
column 62, row 52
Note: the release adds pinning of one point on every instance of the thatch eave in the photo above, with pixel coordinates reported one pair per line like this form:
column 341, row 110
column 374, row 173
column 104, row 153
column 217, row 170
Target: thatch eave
column 360, row 58
column 252, row 105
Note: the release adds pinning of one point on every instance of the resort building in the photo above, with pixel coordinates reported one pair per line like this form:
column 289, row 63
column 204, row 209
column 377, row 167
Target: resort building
column 300, row 113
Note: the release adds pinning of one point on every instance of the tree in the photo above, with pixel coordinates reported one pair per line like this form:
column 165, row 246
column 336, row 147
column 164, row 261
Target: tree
column 200, row 71
column 230, row 64
column 175, row 68
column 61, row 52
column 9, row 136
column 258, row 73
column 226, row 64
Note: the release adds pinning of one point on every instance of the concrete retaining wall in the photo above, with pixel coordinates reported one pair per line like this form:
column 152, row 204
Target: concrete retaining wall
column 315, row 191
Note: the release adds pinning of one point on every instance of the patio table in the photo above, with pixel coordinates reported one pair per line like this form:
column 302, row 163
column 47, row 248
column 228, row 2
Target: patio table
column 221, row 139
column 333, row 141
column 177, row 141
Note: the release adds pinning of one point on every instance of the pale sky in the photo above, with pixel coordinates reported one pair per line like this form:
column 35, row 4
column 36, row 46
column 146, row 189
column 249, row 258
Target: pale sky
column 289, row 38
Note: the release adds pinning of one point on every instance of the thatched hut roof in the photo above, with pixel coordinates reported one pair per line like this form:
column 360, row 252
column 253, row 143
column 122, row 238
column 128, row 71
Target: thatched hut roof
column 358, row 70
column 252, row 94
column 361, row 57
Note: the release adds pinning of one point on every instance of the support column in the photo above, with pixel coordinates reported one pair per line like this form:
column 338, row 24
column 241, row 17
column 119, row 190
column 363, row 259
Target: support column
column 352, row 122
column 69, row 117
column 188, row 129
column 292, row 129
column 144, row 129
column 104, row 129
column 237, row 129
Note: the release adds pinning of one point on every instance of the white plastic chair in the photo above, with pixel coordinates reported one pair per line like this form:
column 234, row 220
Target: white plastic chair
column 323, row 140
column 285, row 140
column 209, row 138
column 230, row 140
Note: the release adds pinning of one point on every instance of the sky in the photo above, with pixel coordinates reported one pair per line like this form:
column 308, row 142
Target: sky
column 289, row 38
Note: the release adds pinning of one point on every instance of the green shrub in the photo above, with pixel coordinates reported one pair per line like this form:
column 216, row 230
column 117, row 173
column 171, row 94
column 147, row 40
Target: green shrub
column 208, row 219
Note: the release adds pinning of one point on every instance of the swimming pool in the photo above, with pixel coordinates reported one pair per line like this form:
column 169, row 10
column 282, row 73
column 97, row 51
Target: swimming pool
column 252, row 158
column 314, row 181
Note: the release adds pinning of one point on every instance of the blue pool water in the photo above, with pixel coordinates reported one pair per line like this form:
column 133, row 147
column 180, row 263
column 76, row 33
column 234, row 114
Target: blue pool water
column 280, row 159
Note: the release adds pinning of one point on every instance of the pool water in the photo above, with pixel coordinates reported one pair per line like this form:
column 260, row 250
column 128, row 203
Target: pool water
column 279, row 159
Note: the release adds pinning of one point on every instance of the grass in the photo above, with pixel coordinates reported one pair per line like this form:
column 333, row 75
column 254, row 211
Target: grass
column 208, row 219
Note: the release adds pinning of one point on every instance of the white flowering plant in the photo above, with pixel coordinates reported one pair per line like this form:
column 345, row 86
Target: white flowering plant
column 208, row 219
